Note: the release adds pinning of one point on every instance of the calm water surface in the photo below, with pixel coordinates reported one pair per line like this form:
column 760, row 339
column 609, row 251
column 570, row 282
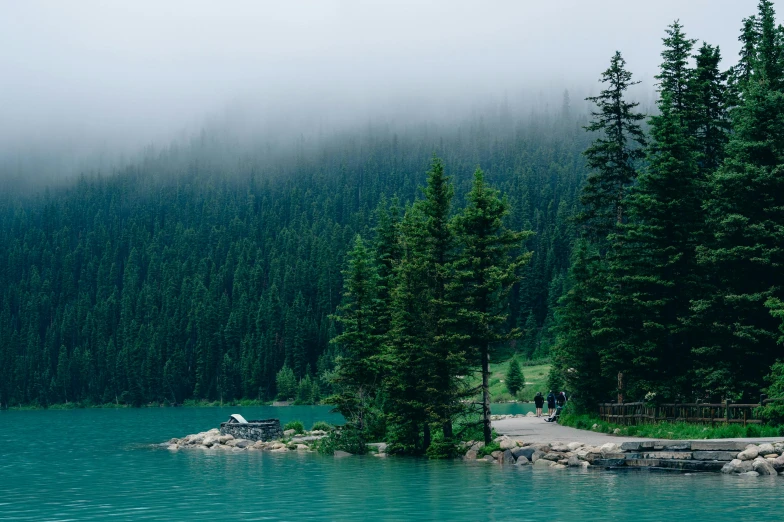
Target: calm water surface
column 99, row 465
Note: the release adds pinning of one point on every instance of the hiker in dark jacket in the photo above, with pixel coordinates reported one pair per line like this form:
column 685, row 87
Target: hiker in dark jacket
column 560, row 400
column 550, row 403
column 539, row 401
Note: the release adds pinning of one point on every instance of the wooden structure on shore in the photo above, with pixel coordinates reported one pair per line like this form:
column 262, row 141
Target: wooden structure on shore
column 727, row 412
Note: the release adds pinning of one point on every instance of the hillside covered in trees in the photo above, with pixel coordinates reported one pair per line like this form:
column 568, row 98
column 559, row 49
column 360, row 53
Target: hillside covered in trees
column 205, row 272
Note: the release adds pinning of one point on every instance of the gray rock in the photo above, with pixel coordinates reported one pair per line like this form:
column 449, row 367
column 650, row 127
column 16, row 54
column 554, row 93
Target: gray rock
column 497, row 454
column 574, row 462
column 750, row 453
column 526, row 452
column 763, row 467
column 489, row 458
column 558, row 466
column 537, row 455
column 507, row 458
column 610, row 447
column 778, row 463
column 574, row 446
column 508, row 444
column 341, row 453
column 750, row 474
column 553, row 457
column 541, row 463
column 671, row 445
column 714, row 455
column 630, row 446
column 243, row 443
column 766, row 449
column 522, row 461
column 733, row 466
column 470, row 455
column 289, row 433
column 729, row 445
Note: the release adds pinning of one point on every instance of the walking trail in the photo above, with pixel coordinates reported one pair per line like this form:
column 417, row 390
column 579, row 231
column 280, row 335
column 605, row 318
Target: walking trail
column 535, row 429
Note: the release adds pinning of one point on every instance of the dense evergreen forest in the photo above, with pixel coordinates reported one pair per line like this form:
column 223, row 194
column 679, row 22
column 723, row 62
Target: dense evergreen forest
column 677, row 283
column 208, row 272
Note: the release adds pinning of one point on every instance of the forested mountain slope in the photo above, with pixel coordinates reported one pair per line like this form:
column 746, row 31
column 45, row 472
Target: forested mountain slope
column 199, row 271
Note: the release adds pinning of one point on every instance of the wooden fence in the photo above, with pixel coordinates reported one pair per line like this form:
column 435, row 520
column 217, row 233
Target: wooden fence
column 630, row 413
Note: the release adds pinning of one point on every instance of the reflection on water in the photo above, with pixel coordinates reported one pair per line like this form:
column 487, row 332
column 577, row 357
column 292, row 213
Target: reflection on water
column 99, row 465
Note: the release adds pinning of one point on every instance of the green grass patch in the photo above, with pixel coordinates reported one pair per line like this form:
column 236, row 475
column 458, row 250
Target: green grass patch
column 671, row 430
column 535, row 381
column 295, row 425
column 321, row 425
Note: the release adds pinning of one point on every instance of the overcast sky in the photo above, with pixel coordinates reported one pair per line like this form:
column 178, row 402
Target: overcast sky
column 141, row 70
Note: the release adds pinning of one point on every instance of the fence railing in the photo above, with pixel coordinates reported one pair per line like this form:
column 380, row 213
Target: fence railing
column 629, row 413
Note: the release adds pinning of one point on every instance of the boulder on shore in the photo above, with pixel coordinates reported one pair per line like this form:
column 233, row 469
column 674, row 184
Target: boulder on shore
column 750, row 453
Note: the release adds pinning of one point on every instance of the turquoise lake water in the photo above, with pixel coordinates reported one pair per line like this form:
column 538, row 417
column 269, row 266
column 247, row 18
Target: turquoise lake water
column 100, row 465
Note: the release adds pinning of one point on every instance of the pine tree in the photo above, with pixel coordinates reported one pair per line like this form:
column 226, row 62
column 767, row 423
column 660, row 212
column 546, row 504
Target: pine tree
column 488, row 267
column 359, row 372
column 613, row 154
column 653, row 274
column 515, row 381
column 710, row 124
column 745, row 208
column 576, row 355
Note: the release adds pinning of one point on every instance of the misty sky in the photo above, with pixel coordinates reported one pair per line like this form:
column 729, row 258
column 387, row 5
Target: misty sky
column 142, row 71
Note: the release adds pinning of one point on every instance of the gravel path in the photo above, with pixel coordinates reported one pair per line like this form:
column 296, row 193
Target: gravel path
column 533, row 429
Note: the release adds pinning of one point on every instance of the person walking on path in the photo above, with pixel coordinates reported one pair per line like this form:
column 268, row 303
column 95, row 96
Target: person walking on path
column 550, row 403
column 539, row 401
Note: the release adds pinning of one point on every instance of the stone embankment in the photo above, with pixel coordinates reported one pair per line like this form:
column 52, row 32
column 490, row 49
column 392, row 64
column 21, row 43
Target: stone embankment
column 215, row 441
column 670, row 455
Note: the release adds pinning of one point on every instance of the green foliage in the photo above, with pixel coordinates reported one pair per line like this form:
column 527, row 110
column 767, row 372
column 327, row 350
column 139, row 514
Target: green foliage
column 286, row 383
column 670, row 430
column 614, row 153
column 342, row 438
column 515, row 381
column 487, row 449
column 773, row 413
column 321, row 425
column 295, row 425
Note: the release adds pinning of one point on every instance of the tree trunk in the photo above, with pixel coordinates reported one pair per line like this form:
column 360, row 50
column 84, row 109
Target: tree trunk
column 486, row 394
column 448, row 430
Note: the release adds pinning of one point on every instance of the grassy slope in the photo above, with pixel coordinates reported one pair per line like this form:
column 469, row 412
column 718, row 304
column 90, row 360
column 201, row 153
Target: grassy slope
column 535, row 379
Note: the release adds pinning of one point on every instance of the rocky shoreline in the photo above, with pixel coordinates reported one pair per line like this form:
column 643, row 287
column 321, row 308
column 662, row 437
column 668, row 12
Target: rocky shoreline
column 729, row 457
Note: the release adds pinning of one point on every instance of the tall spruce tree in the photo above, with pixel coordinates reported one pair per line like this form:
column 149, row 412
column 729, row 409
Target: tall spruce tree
column 745, row 209
column 487, row 269
column 614, row 153
column 359, row 367
column 576, row 354
column 653, row 274
column 710, row 124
